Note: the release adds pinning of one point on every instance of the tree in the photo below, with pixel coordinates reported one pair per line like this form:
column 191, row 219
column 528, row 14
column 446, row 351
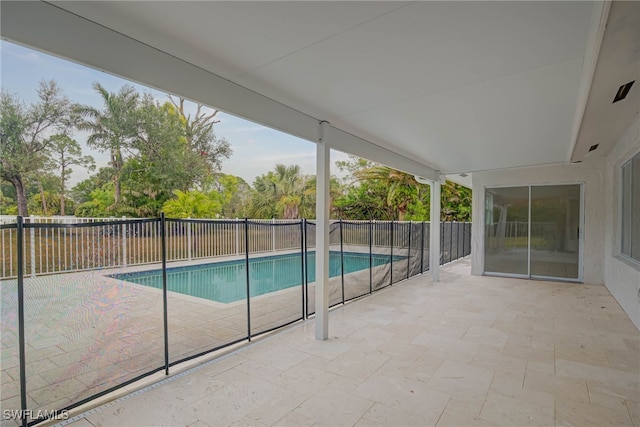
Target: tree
column 46, row 204
column 101, row 199
column 112, row 128
column 401, row 187
column 456, row 202
column 201, row 139
column 7, row 204
column 65, row 152
column 235, row 195
column 308, row 205
column 380, row 192
column 279, row 193
column 42, row 185
column 81, row 192
column 24, row 132
column 362, row 198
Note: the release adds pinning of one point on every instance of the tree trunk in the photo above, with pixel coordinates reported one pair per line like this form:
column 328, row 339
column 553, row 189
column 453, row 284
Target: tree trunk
column 62, row 186
column 22, row 200
column 43, row 199
column 116, row 161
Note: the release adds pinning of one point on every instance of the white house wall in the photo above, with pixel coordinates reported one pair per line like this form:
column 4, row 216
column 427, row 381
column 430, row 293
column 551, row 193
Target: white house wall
column 621, row 278
column 594, row 208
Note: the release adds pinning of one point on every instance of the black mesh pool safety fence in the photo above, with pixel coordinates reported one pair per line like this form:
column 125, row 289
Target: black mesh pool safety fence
column 90, row 307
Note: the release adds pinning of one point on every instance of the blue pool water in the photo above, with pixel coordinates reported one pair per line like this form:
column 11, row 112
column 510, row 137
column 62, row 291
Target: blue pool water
column 226, row 281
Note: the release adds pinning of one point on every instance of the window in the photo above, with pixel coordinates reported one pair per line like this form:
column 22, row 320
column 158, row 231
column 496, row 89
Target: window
column 631, row 208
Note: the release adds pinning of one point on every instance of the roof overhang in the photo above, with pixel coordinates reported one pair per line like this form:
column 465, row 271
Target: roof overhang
column 423, row 87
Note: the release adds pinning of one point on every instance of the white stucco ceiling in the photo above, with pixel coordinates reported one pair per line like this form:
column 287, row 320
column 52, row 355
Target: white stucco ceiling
column 458, row 86
column 618, row 63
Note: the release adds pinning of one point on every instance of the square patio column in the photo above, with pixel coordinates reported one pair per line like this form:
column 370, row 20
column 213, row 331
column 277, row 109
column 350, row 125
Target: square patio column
column 434, row 244
column 323, row 159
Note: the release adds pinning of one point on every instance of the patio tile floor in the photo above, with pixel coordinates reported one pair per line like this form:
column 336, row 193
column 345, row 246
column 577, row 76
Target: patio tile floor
column 467, row 351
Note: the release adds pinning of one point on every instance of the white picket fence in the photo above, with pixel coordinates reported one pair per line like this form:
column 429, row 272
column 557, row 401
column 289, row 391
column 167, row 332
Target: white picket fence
column 67, row 244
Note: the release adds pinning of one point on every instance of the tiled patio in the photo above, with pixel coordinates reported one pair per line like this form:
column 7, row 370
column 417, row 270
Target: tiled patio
column 467, row 351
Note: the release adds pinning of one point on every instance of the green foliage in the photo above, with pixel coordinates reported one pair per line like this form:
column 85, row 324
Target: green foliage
column 456, row 202
column 112, row 128
column 198, row 131
column 24, row 132
column 383, row 193
column 8, row 205
column 65, row 152
column 283, row 193
column 81, row 192
column 163, row 158
column 192, row 204
column 47, row 204
column 363, row 200
column 101, row 200
column 235, row 195
column 380, row 192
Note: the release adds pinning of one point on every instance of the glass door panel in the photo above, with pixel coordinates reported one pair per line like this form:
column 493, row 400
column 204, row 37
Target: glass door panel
column 507, row 230
column 555, row 231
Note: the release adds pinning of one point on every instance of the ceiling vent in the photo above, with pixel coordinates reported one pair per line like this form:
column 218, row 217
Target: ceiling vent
column 623, row 91
column 594, row 147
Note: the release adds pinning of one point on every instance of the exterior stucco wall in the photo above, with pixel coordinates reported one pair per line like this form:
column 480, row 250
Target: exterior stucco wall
column 592, row 175
column 621, row 278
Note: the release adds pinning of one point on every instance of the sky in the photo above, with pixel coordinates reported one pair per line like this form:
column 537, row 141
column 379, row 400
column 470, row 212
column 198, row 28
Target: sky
column 256, row 148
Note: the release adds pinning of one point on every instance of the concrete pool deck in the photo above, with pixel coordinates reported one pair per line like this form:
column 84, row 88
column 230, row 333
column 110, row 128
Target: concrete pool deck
column 86, row 332
column 467, row 351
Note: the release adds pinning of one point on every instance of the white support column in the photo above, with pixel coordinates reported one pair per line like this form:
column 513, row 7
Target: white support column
column 434, row 246
column 323, row 161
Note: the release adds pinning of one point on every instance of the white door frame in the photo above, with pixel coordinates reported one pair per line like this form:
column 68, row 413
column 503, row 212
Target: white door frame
column 580, row 278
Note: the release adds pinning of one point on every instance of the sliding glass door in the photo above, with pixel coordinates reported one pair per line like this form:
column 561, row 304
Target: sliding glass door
column 507, row 231
column 533, row 231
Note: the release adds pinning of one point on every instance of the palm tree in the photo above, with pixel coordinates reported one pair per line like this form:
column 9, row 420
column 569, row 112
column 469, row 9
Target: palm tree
column 112, row 128
column 456, row 202
column 401, row 186
column 279, row 193
column 308, row 205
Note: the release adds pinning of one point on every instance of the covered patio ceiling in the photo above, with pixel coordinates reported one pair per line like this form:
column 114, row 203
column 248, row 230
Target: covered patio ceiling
column 451, row 87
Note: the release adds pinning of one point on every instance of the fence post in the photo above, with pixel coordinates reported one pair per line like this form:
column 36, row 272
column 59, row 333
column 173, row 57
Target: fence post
column 391, row 257
column 123, row 254
column 302, row 266
column 342, row 259
column 306, row 271
column 409, row 251
column 32, row 246
column 422, row 249
column 464, row 238
column 442, row 227
column 189, row 244
column 21, row 340
column 163, row 245
column 373, row 235
column 237, row 237
column 458, row 242
column 273, row 232
column 450, row 241
column 246, row 266
column 370, row 256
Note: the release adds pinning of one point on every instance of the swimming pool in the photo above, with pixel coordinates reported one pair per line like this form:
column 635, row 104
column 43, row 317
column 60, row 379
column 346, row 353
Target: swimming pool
column 226, row 281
